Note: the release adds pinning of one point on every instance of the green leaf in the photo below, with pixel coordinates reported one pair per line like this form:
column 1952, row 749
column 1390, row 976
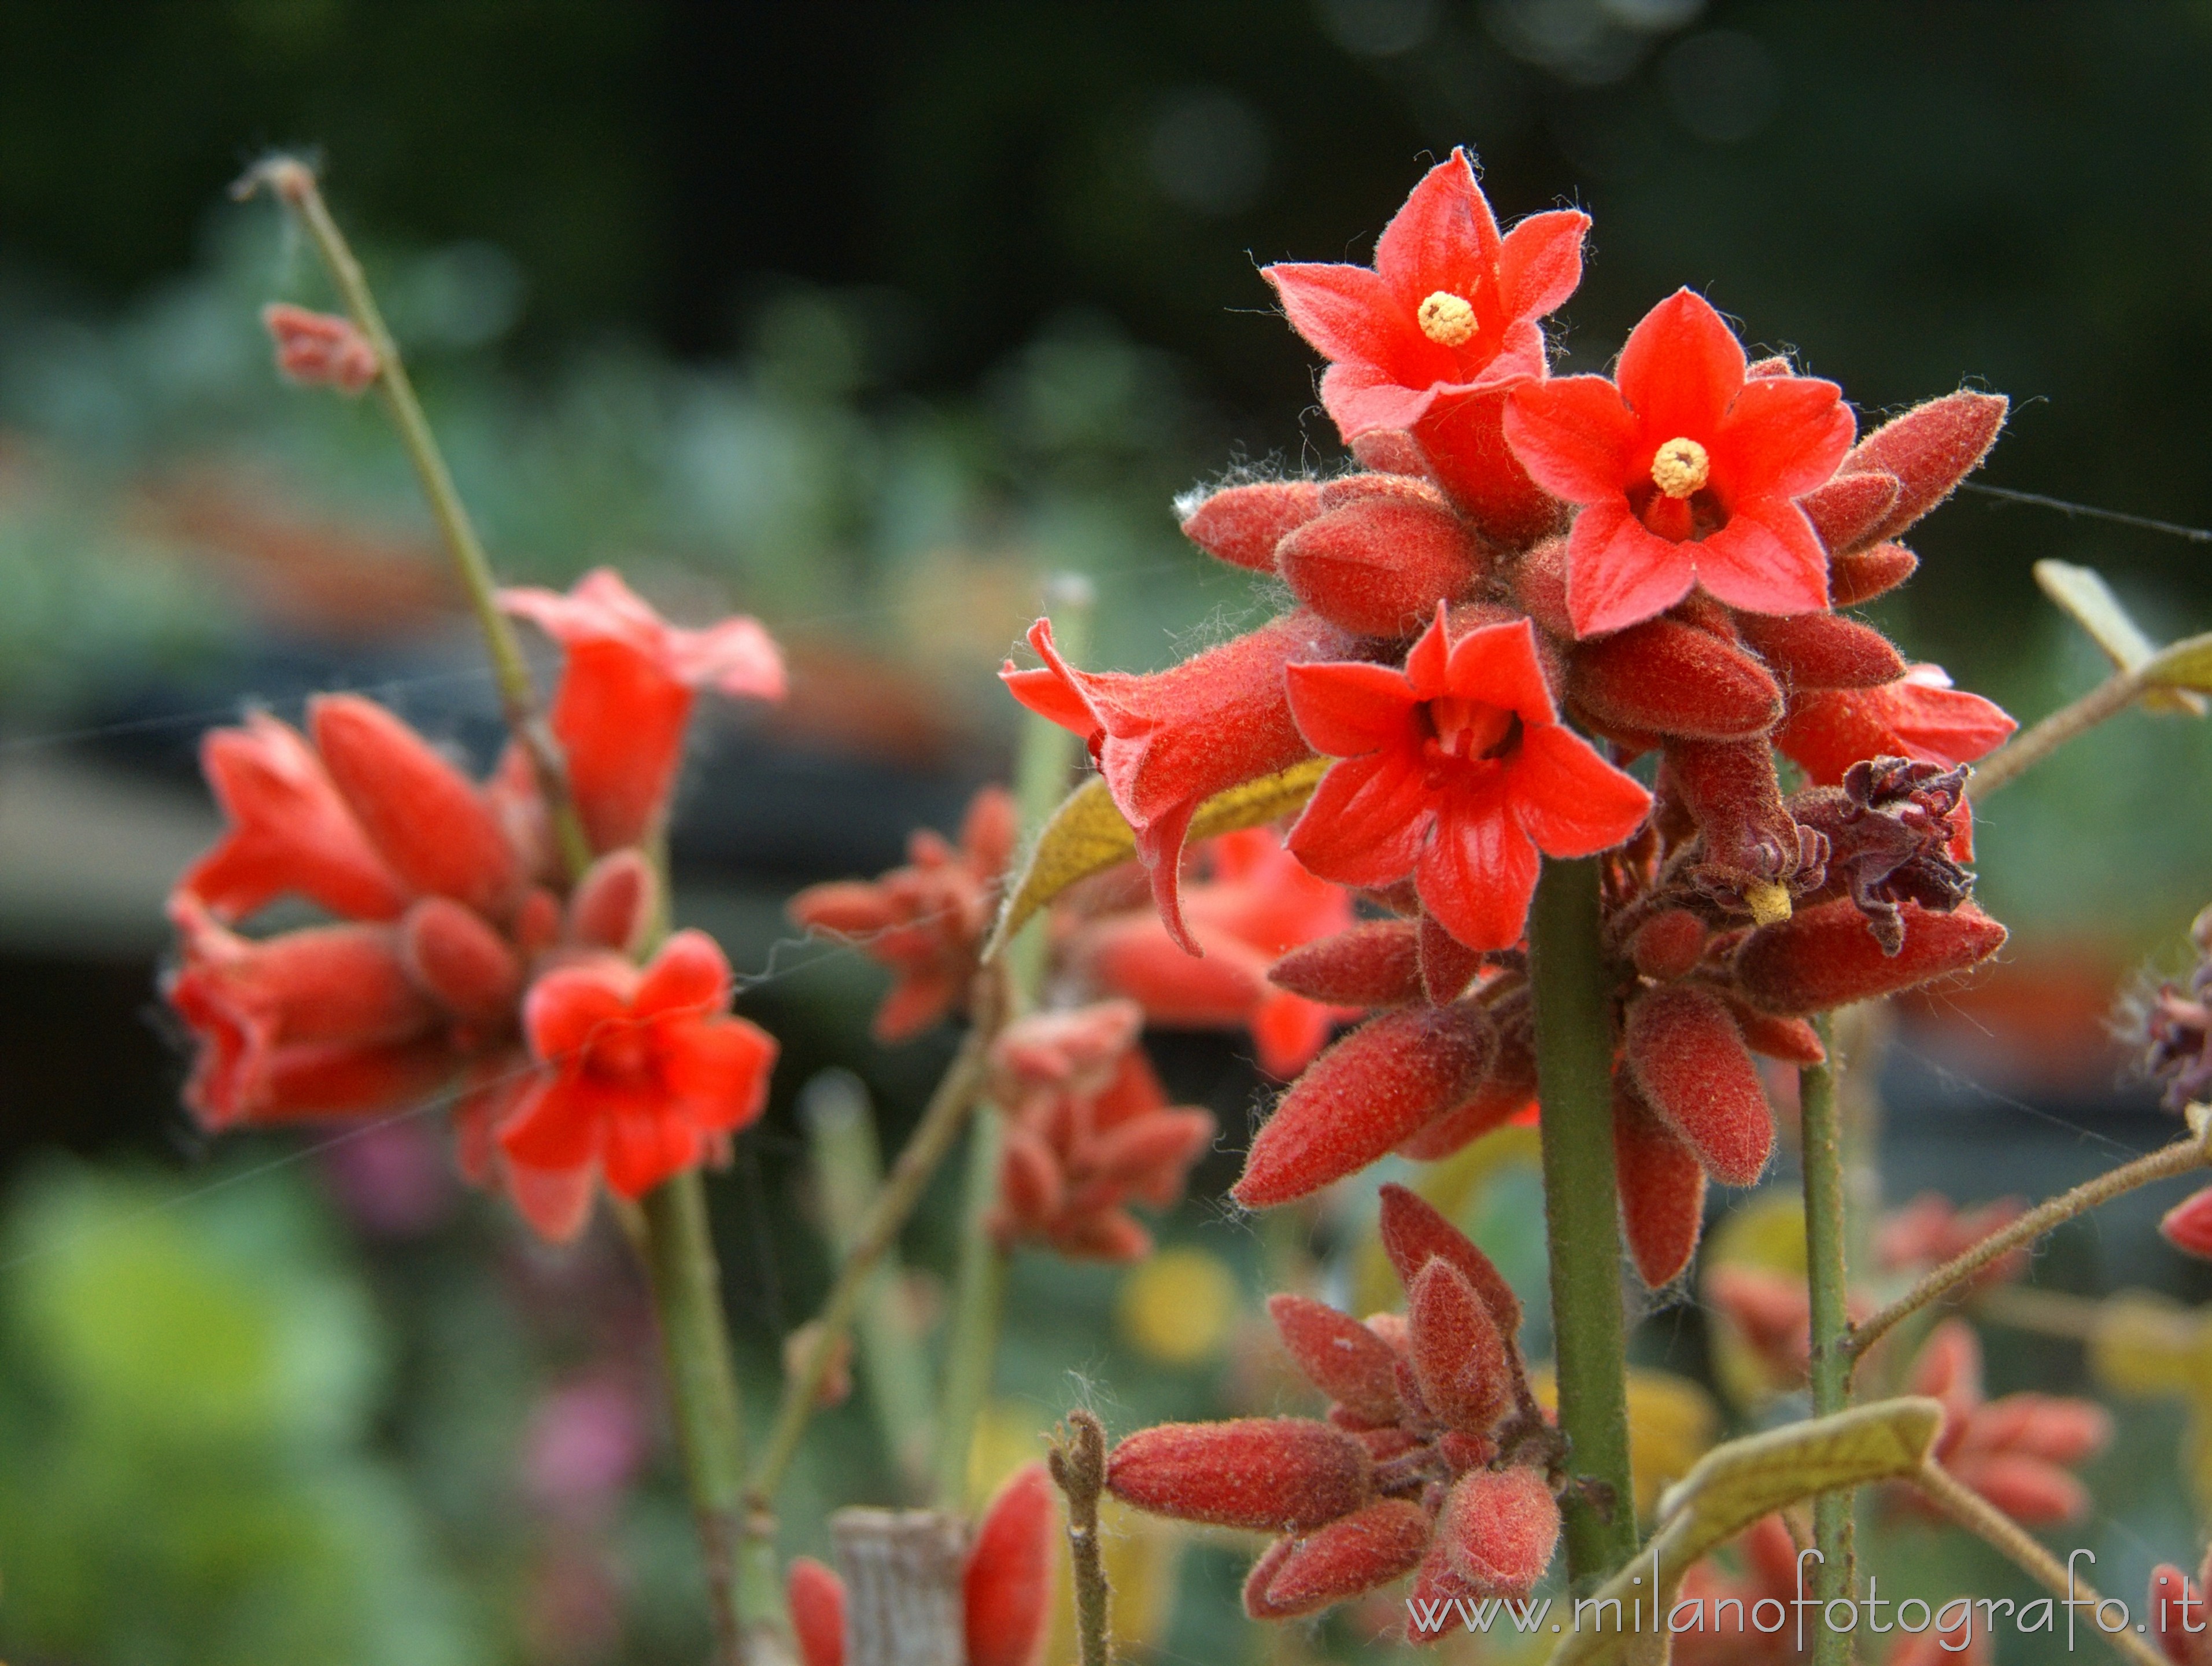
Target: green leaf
column 2084, row 597
column 2184, row 670
column 1731, row 1487
column 1087, row 836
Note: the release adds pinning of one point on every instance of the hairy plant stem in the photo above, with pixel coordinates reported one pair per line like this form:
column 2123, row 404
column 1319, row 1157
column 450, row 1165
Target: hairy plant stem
column 2177, row 1158
column 292, row 182
column 2029, row 748
column 1987, row 1523
column 1827, row 1280
column 1079, row 1466
column 932, row 1138
column 677, row 1245
column 1574, row 1070
column 1045, row 758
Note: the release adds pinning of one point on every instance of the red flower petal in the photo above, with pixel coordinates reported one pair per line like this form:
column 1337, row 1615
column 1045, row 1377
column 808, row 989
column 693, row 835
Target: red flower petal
column 1787, row 433
column 1350, row 709
column 1365, row 822
column 1680, row 368
column 1007, row 1586
column 1766, row 560
column 1619, row 572
column 1576, row 435
column 1346, row 312
column 1540, row 262
column 689, row 975
column 1497, row 665
column 1569, row 800
column 1479, row 870
column 1444, row 237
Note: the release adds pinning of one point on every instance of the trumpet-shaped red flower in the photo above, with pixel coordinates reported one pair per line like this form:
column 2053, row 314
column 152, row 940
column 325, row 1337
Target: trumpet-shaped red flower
column 648, row 1071
column 627, row 691
column 1431, row 1462
column 291, row 833
column 1686, row 471
column 1919, row 716
column 926, row 920
column 1089, row 1130
column 1432, row 337
column 319, row 350
column 1167, row 743
column 1006, row 1587
column 1255, row 903
column 2016, row 1452
column 1457, row 771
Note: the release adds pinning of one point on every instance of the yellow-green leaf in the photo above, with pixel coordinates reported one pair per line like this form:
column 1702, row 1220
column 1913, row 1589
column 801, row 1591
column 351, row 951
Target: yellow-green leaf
column 2185, row 667
column 1087, row 836
column 2082, row 594
column 1731, row 1487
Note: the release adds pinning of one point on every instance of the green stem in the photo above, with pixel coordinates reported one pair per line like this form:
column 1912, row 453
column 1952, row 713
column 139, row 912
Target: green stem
column 1574, row 1070
column 1826, row 1283
column 709, row 1423
column 293, row 183
column 1045, row 758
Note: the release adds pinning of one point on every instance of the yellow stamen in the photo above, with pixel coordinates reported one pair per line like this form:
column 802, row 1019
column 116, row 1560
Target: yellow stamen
column 1447, row 319
column 1769, row 903
column 1680, row 469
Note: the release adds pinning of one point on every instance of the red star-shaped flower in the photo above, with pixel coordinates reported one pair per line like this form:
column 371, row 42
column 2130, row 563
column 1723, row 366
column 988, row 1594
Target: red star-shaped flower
column 1919, row 716
column 1686, row 471
column 1457, row 771
column 1442, row 325
column 648, row 1068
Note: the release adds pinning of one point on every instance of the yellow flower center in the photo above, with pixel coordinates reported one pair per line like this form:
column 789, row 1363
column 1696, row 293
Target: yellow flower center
column 1681, row 467
column 1447, row 319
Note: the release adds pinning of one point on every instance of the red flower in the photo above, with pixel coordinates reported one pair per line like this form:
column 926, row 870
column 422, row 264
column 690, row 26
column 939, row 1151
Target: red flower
column 2015, row 1451
column 1919, row 716
column 1006, row 1587
column 1088, row 1131
column 1166, row 743
column 2187, row 1225
column 1686, row 473
column 1256, row 903
column 2177, row 1617
column 1431, row 1462
column 291, row 833
column 1456, row 771
column 627, row 690
column 317, row 350
column 926, row 920
column 648, row 1071
column 1445, row 322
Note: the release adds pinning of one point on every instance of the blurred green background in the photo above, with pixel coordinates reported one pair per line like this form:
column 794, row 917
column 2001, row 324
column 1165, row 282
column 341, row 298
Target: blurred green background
column 865, row 317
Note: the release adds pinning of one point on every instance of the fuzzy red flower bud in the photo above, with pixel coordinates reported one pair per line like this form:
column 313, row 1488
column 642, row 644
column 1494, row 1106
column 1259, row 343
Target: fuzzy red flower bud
column 1793, row 1040
column 1929, row 450
column 1509, row 1091
column 1863, row 574
column 1456, row 770
column 1379, row 565
column 1006, row 1589
column 1664, row 677
column 2013, row 1452
column 1447, row 965
column 1377, row 962
column 319, row 350
column 1281, row 1475
column 427, row 819
column 1499, row 1529
column 1242, row 525
column 1823, row 651
column 452, row 952
column 614, row 902
column 1747, row 837
column 1823, row 957
column 1168, row 742
column 1459, row 1359
column 1339, row 1356
column 1848, row 510
column 1667, row 944
column 1368, row 1548
column 1686, row 472
column 815, row 1597
column 1689, row 1060
column 1662, row 1188
column 1364, row 1095
column 2188, row 1225
column 290, row 834
column 1413, row 1233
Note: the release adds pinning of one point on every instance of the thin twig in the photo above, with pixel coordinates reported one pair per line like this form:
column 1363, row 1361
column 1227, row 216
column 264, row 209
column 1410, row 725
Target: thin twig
column 2003, row 767
column 1991, row 1525
column 292, row 182
column 2177, row 1158
column 932, row 1138
column 1079, row 1467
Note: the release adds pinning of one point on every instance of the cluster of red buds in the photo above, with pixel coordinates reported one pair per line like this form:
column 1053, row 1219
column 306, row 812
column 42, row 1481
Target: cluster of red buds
column 2016, row 1451
column 1006, row 1585
column 1088, row 1130
column 463, row 957
column 1436, row 1459
column 1524, row 561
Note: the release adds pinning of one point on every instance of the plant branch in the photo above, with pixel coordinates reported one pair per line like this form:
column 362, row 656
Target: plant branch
column 932, row 1138
column 2003, row 767
column 1828, row 1285
column 1574, row 1070
column 292, row 182
column 1987, row 1523
column 2177, row 1158
column 709, row 1424
column 1079, row 1467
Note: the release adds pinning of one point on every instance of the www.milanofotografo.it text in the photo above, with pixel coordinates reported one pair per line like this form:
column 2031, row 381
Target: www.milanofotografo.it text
column 1955, row 1621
